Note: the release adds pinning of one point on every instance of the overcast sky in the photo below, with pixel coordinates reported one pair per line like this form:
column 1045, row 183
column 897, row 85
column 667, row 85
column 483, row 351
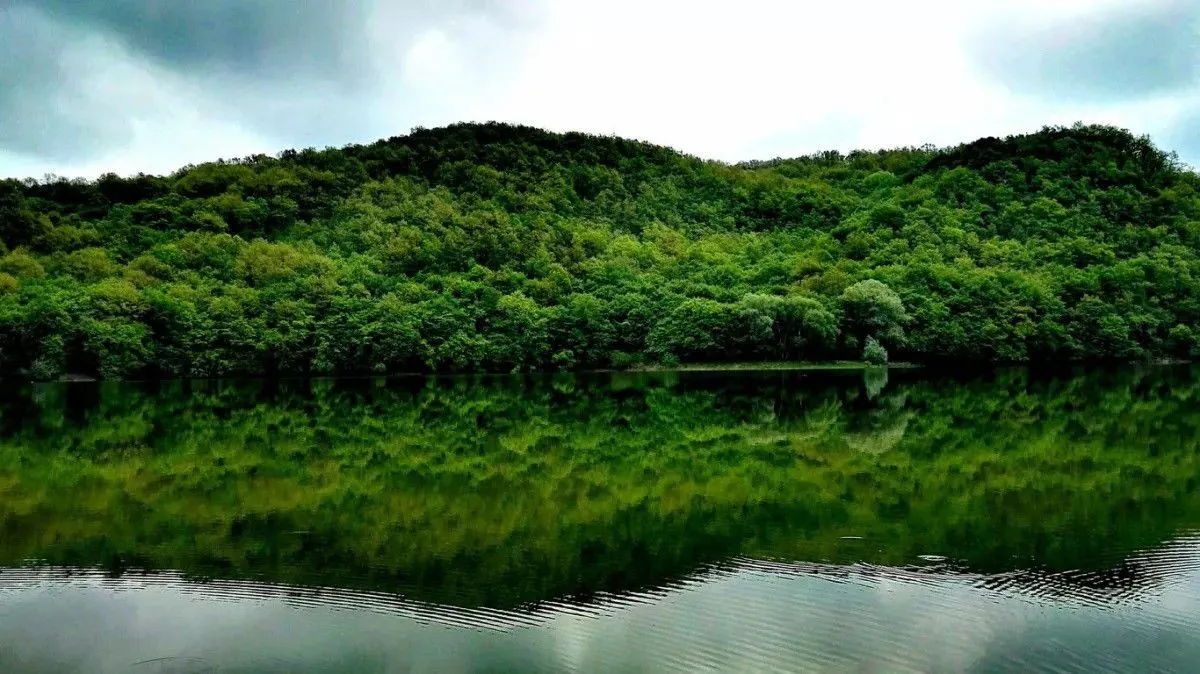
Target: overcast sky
column 88, row 86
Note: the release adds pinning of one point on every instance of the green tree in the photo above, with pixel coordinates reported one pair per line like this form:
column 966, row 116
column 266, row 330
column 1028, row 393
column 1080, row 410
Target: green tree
column 22, row 265
column 874, row 353
column 872, row 309
column 89, row 264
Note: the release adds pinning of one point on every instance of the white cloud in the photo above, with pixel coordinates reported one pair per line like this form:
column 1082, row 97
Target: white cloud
column 762, row 78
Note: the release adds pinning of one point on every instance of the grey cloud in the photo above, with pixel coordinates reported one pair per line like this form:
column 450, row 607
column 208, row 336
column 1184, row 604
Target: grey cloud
column 1128, row 52
column 274, row 36
column 265, row 37
column 40, row 110
column 297, row 73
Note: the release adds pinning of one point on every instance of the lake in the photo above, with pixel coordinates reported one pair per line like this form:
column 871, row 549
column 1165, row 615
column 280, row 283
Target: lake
column 908, row 520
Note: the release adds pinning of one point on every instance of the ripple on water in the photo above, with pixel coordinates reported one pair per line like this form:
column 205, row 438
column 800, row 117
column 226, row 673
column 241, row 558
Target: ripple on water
column 748, row 614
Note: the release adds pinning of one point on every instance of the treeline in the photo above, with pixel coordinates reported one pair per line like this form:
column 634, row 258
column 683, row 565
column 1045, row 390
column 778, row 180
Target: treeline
column 495, row 247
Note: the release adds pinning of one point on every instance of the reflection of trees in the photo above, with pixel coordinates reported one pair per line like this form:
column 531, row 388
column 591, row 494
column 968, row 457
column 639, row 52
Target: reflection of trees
column 501, row 490
column 880, row 428
column 875, row 379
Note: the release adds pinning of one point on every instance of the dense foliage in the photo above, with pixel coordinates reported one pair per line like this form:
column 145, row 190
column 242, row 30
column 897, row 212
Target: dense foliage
column 504, row 490
column 499, row 247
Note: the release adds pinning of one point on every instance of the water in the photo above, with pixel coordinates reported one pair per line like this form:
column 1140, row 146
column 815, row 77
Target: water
column 773, row 521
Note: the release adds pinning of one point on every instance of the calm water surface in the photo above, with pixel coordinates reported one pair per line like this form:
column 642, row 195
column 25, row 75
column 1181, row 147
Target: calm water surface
column 902, row 521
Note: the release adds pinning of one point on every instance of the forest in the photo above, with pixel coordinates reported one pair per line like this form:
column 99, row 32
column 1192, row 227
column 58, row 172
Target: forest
column 492, row 247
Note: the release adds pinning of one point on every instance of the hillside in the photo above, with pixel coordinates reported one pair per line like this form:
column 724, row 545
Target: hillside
column 496, row 247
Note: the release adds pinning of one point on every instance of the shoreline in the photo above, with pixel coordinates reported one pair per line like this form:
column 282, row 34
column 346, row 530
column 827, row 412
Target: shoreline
column 810, row 366
column 753, row 366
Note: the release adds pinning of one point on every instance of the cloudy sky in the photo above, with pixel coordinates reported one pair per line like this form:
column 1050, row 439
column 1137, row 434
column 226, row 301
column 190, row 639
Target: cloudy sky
column 88, row 86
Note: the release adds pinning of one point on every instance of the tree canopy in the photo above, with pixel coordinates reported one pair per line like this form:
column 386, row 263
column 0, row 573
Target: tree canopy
column 498, row 247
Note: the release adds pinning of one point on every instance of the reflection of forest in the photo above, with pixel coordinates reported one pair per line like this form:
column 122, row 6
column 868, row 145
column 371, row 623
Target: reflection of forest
column 500, row 491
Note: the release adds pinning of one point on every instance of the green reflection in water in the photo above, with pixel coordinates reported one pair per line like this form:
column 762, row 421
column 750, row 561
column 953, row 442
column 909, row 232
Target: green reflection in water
column 500, row 491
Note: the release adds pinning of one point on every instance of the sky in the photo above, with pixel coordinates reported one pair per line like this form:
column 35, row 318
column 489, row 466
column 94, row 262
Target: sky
column 90, row 86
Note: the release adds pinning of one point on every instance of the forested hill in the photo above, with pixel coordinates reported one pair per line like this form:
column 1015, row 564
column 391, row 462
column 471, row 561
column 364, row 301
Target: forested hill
column 495, row 247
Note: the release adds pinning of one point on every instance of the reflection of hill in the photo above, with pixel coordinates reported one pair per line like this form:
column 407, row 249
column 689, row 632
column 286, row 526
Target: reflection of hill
column 1141, row 574
column 1145, row 573
column 502, row 491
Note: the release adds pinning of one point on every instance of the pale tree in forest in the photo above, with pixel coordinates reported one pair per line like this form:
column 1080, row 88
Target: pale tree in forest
column 871, row 309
